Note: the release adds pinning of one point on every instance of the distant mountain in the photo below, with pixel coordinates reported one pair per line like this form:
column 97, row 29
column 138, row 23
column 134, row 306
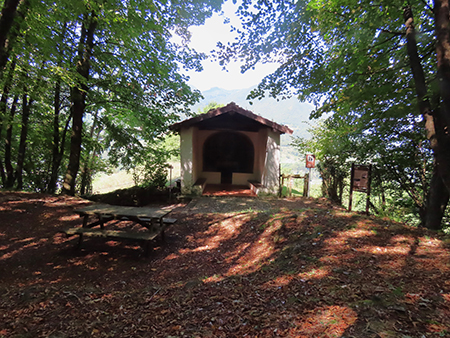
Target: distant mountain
column 290, row 112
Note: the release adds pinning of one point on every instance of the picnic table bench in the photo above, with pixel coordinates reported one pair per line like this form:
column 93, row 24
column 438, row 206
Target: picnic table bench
column 153, row 219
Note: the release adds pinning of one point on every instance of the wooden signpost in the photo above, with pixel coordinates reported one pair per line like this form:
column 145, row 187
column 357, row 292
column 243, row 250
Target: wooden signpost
column 310, row 163
column 360, row 181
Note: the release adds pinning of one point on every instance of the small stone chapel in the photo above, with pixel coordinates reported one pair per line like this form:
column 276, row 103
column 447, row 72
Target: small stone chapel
column 230, row 146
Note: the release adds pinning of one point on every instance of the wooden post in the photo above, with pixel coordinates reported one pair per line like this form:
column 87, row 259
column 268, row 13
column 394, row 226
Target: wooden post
column 369, row 181
column 309, row 183
column 280, row 184
column 351, row 187
column 306, row 185
column 170, row 182
column 85, row 220
column 290, row 186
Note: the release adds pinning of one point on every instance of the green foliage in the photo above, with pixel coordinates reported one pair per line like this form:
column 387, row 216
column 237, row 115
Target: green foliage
column 331, row 142
column 211, row 105
column 152, row 174
column 350, row 59
column 134, row 89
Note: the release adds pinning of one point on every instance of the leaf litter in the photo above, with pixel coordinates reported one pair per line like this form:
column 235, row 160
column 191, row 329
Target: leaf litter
column 229, row 267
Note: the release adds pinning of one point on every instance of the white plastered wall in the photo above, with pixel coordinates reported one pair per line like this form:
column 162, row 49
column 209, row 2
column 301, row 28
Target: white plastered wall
column 187, row 157
column 271, row 175
column 266, row 159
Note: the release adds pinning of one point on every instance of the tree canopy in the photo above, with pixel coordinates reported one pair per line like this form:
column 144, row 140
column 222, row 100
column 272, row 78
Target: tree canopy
column 371, row 70
column 80, row 80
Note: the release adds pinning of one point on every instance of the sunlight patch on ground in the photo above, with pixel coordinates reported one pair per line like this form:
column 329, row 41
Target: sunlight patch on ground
column 401, row 239
column 392, row 250
column 392, row 268
column 9, row 254
column 236, row 253
column 329, row 321
column 60, row 238
column 14, row 210
column 446, row 296
column 315, row 273
column 356, row 233
column 339, row 242
column 29, row 239
column 220, row 232
column 257, row 253
column 69, row 218
column 279, row 282
column 431, row 257
column 171, row 256
column 23, row 247
column 41, row 241
column 331, row 259
column 213, row 279
column 430, row 242
column 345, row 214
column 336, row 244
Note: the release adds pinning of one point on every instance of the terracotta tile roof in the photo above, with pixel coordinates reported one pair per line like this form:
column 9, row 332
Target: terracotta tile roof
column 231, row 108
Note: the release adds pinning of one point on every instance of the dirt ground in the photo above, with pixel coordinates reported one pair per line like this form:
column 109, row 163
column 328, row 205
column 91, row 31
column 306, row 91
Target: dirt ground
column 230, row 267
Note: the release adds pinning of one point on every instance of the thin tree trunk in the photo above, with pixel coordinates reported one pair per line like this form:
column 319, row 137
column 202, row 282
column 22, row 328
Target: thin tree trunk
column 87, row 172
column 5, row 94
column 8, row 143
column 56, row 159
column 3, row 111
column 78, row 97
column 2, row 174
column 26, row 109
column 58, row 146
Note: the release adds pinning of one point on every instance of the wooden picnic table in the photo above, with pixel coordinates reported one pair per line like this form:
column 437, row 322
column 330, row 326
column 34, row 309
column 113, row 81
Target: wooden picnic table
column 152, row 218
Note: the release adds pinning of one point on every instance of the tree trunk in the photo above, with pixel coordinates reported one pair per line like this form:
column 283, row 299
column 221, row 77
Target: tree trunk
column 2, row 174
column 26, row 108
column 5, row 94
column 3, row 111
column 56, row 159
column 78, row 97
column 438, row 198
column 58, row 145
column 6, row 21
column 13, row 14
column 86, row 178
column 434, row 123
column 8, row 143
column 442, row 22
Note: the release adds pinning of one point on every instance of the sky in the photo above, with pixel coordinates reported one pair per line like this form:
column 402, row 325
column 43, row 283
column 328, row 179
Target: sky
column 204, row 39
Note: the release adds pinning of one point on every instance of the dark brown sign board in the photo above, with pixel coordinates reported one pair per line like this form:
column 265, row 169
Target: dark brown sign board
column 360, row 181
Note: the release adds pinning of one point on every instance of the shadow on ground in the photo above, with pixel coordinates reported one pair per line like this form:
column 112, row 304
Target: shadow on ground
column 230, row 267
